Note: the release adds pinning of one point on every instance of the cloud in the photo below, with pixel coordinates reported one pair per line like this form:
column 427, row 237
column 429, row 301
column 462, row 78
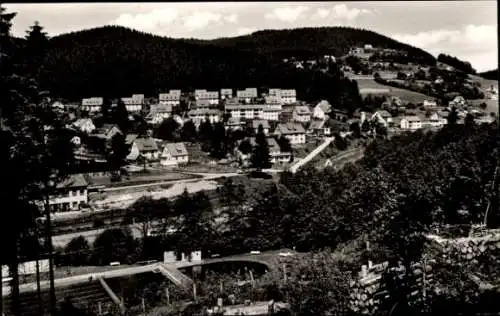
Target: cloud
column 148, row 21
column 232, row 18
column 245, row 31
column 341, row 12
column 199, row 20
column 474, row 43
column 286, row 14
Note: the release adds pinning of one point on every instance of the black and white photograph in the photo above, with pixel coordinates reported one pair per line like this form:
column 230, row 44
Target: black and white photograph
column 249, row 158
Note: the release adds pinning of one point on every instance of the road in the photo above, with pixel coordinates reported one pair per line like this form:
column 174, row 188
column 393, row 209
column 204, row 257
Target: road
column 351, row 155
column 311, row 155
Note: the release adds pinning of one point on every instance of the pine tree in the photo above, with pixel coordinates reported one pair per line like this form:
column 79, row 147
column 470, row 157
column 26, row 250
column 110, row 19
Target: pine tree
column 218, row 140
column 188, row 132
column 260, row 155
column 120, row 117
column 35, row 155
column 37, row 43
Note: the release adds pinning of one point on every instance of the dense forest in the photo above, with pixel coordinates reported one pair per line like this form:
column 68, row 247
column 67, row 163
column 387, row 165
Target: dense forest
column 85, row 63
column 490, row 75
column 456, row 63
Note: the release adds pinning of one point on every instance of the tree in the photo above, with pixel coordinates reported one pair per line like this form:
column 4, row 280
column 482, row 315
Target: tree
column 195, row 228
column 188, row 132
column 469, row 120
column 167, row 129
column 36, row 154
column 36, row 46
column 355, row 129
column 205, row 134
column 106, row 109
column 284, row 144
column 120, row 117
column 260, row 155
column 218, row 141
column 119, row 151
column 245, row 147
column 116, row 244
column 340, row 142
column 151, row 214
column 453, row 116
column 77, row 251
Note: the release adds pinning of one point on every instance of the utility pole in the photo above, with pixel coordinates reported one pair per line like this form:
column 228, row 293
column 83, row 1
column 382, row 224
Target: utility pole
column 48, row 232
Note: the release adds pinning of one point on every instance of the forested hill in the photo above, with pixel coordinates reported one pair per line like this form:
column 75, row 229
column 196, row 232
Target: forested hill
column 324, row 40
column 116, row 61
column 490, row 75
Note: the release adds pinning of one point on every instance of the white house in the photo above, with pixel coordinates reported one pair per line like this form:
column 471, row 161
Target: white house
column 429, row 104
column 411, row 123
column 204, row 104
column 174, row 154
column 434, row 121
column 275, row 153
column 248, row 94
column 70, row 194
column 93, row 104
column 458, row 101
column 301, row 114
column 257, row 123
column 321, row 110
column 234, row 124
column 271, row 112
column 286, row 96
column 145, row 147
column 226, row 94
column 199, row 115
column 319, row 128
column 84, row 125
column 293, row 131
column 107, row 131
column 158, row 113
column 272, row 99
column 246, row 111
column 211, row 96
column 383, row 117
column 172, row 98
column 135, row 103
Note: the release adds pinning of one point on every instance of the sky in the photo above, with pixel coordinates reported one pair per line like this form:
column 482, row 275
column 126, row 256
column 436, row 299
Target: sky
column 465, row 29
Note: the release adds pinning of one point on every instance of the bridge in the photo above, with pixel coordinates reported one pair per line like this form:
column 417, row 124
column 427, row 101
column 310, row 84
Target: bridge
column 93, row 286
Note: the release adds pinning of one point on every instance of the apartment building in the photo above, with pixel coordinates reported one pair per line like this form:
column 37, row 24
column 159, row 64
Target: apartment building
column 246, row 111
column 93, row 104
column 69, row 195
column 248, row 94
column 226, row 94
column 199, row 115
column 301, row 114
column 211, row 96
column 271, row 112
column 286, row 96
column 172, row 98
column 135, row 103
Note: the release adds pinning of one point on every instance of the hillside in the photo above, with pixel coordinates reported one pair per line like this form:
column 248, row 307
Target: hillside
column 490, row 75
column 116, row 61
column 456, row 63
column 313, row 41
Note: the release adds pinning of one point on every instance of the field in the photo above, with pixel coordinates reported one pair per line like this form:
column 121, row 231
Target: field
column 492, row 105
column 366, row 86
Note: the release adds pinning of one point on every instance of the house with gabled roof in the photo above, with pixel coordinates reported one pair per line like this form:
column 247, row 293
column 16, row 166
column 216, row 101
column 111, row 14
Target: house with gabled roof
column 93, row 104
column 135, row 103
column 199, row 115
column 257, row 123
column 107, row 131
column 226, row 94
column 173, row 154
column 234, row 124
column 84, row 125
column 295, row 132
column 145, row 147
column 158, row 113
column 411, row 122
column 319, row 128
column 70, row 194
column 301, row 114
column 172, row 98
column 321, row 110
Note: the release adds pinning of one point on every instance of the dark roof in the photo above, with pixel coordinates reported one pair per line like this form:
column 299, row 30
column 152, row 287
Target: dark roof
column 73, row 181
column 146, row 144
column 176, row 149
column 290, row 128
column 264, row 123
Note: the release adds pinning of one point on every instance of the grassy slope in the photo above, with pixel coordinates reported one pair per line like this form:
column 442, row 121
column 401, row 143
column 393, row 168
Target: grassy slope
column 405, row 95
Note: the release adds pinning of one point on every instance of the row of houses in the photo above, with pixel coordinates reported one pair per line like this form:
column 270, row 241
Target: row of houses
column 201, row 96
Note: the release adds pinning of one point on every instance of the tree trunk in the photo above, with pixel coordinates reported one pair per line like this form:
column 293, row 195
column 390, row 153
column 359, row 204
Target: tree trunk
column 50, row 250
column 14, row 273
column 38, row 290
